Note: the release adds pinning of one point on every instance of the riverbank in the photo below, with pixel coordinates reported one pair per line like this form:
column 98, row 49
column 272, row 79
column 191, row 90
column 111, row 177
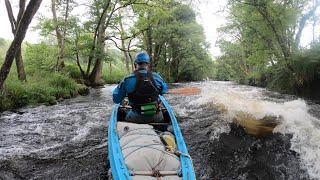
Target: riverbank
column 306, row 90
column 40, row 88
column 49, row 87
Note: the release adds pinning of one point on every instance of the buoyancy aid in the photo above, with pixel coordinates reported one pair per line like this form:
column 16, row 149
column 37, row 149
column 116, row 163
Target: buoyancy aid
column 144, row 98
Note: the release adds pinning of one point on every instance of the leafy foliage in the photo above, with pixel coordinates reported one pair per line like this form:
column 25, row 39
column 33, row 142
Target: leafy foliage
column 4, row 44
column 40, row 57
column 176, row 41
column 264, row 48
column 41, row 87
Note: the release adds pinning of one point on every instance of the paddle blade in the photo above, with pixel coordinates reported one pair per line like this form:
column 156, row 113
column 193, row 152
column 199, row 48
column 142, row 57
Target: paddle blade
column 185, row 91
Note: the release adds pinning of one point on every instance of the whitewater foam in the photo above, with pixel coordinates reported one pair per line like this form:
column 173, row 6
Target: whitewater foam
column 295, row 116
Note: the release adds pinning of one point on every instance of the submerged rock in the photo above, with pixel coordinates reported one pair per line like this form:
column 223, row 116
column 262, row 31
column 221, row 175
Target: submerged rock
column 254, row 126
column 242, row 156
column 234, row 154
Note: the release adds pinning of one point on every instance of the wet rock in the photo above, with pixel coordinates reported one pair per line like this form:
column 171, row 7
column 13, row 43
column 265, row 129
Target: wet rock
column 18, row 111
column 234, row 154
column 7, row 171
column 237, row 154
column 196, row 133
column 254, row 126
column 83, row 90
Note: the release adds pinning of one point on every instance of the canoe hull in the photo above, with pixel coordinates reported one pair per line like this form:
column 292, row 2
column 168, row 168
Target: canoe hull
column 118, row 166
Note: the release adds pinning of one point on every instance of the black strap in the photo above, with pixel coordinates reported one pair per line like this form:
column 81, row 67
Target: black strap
column 151, row 79
column 140, row 79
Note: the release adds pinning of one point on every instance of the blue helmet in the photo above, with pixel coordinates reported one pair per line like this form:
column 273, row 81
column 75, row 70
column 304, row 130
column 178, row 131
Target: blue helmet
column 142, row 57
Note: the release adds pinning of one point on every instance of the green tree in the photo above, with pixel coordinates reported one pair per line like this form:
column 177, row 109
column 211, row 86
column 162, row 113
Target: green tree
column 20, row 33
column 262, row 39
column 175, row 41
column 14, row 25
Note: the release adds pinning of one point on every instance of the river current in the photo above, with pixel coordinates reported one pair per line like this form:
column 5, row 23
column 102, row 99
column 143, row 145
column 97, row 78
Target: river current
column 69, row 140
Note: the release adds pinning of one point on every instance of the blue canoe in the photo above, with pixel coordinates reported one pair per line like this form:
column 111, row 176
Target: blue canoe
column 118, row 167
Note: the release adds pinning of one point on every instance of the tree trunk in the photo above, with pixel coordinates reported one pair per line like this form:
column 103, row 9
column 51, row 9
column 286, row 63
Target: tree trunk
column 20, row 66
column 95, row 77
column 149, row 40
column 61, row 54
column 110, row 67
column 77, row 57
column 126, row 56
column 132, row 63
column 280, row 38
column 102, row 20
column 156, row 56
column 58, row 33
column 14, row 25
column 123, row 46
column 15, row 46
column 10, row 16
column 19, row 61
column 130, row 57
column 96, row 74
column 61, row 36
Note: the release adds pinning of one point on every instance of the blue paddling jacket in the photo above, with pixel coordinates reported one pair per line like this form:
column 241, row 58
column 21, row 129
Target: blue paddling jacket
column 128, row 86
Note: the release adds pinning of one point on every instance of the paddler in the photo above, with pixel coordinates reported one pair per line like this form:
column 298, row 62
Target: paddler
column 142, row 88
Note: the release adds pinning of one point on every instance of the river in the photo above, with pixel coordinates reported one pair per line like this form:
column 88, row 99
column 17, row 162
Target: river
column 69, row 140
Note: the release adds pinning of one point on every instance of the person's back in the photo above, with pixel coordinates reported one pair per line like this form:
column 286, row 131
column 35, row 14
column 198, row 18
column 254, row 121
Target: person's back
column 142, row 88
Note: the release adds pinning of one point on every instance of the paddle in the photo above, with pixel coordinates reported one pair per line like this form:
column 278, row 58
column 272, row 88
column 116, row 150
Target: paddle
column 185, row 91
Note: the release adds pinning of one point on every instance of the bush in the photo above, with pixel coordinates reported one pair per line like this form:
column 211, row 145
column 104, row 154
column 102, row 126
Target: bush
column 17, row 93
column 304, row 73
column 43, row 87
column 118, row 73
column 61, row 81
column 73, row 71
column 40, row 57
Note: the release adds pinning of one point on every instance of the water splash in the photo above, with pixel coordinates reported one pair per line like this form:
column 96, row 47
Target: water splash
column 65, row 141
column 259, row 103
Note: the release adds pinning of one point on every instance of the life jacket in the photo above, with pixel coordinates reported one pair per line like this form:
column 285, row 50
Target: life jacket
column 144, row 97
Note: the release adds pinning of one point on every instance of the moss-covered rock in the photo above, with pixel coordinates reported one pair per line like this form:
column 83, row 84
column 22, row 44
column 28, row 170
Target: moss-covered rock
column 83, row 90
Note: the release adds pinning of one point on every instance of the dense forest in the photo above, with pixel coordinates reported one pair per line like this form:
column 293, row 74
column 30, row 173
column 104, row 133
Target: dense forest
column 90, row 43
column 98, row 46
column 261, row 46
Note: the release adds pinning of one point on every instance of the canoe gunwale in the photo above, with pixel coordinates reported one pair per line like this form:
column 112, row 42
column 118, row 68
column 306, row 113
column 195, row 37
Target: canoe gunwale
column 186, row 162
column 117, row 164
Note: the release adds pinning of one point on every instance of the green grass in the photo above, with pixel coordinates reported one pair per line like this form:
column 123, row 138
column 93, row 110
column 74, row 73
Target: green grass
column 43, row 87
